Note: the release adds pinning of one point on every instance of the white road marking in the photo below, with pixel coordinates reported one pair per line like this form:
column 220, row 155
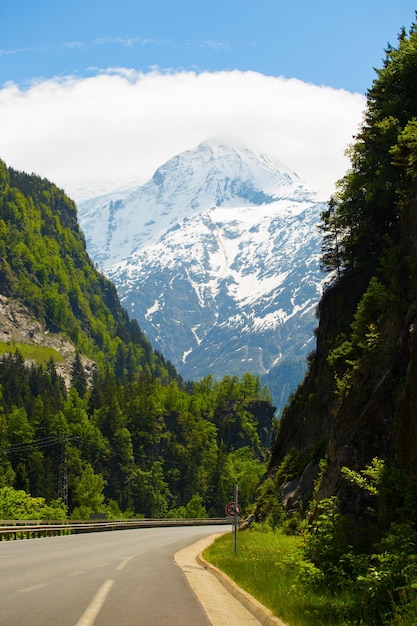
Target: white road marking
column 125, row 562
column 127, row 559
column 91, row 612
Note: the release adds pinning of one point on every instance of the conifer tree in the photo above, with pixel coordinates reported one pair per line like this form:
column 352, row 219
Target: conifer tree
column 78, row 378
column 364, row 213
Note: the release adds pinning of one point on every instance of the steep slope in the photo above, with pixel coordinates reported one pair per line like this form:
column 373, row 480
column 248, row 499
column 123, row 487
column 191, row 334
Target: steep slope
column 358, row 400
column 45, row 265
column 217, row 258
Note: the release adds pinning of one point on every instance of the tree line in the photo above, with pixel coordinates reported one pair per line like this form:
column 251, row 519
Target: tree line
column 133, row 448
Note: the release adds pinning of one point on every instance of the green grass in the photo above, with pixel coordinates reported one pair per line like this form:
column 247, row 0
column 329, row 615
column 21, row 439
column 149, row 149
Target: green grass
column 31, row 352
column 270, row 566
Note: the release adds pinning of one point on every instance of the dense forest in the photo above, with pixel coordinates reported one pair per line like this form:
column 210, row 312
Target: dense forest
column 125, row 436
column 344, row 463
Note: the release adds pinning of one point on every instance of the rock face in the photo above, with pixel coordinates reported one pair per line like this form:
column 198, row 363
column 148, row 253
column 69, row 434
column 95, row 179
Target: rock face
column 357, row 406
column 16, row 323
column 374, row 417
column 217, row 257
column 18, row 326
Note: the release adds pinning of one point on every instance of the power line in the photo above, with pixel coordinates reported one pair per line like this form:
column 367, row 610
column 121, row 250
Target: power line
column 46, row 442
column 39, row 443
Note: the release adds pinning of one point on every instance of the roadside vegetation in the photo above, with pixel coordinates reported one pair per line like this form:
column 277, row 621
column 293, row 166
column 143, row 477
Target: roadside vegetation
column 16, row 504
column 304, row 581
column 272, row 567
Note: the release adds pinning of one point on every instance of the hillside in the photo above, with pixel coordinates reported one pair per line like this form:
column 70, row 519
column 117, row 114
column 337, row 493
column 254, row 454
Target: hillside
column 44, row 264
column 88, row 411
column 356, row 407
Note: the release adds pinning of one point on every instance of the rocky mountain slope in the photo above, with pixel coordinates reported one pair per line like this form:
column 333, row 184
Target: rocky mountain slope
column 217, row 257
column 357, row 404
column 18, row 326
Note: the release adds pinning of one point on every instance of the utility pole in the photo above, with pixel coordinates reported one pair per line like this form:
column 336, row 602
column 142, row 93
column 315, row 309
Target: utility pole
column 63, row 473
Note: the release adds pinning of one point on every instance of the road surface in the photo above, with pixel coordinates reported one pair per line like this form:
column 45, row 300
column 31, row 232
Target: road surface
column 124, row 578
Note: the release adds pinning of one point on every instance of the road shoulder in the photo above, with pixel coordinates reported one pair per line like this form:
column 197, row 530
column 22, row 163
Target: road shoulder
column 224, row 602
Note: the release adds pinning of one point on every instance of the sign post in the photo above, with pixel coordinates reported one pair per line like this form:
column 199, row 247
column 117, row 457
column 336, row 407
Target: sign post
column 233, row 510
column 235, row 519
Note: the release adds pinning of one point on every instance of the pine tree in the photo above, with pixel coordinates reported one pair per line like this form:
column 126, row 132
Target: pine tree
column 364, row 213
column 78, row 378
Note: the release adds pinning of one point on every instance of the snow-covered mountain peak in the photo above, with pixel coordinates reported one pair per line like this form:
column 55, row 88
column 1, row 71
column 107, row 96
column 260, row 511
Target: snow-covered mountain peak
column 212, row 175
column 217, row 257
column 224, row 172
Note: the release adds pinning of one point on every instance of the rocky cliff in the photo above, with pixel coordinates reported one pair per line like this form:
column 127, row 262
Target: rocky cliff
column 19, row 329
column 358, row 401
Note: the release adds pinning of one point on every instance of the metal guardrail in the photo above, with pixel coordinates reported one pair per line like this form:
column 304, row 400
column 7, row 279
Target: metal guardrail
column 27, row 529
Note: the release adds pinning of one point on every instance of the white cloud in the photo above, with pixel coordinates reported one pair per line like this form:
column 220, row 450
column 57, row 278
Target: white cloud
column 120, row 125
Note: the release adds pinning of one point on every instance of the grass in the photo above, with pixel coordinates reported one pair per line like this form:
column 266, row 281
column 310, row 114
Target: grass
column 31, row 352
column 269, row 565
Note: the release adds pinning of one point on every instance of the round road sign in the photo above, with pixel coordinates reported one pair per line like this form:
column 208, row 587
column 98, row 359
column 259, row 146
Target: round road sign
column 232, row 509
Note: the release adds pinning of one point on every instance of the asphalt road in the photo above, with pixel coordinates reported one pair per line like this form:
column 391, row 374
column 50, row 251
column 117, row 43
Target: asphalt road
column 124, row 578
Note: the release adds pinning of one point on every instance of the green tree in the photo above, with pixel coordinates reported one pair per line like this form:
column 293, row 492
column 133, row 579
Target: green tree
column 194, row 509
column 88, row 494
column 78, row 377
column 17, row 504
column 365, row 209
column 151, row 491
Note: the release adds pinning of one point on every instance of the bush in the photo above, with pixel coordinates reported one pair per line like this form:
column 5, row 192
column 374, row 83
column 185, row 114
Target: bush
column 19, row 505
column 326, row 541
column 391, row 578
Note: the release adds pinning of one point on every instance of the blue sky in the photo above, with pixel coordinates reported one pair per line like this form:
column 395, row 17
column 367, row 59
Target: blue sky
column 145, row 80
column 324, row 42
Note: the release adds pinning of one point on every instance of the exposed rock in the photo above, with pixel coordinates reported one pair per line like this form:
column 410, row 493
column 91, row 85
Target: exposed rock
column 18, row 326
column 295, row 493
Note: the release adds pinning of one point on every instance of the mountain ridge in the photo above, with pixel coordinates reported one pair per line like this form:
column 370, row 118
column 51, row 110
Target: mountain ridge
column 217, row 257
column 205, row 185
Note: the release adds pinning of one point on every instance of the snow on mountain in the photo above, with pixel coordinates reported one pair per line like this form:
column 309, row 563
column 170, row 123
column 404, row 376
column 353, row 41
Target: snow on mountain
column 213, row 174
column 217, row 257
